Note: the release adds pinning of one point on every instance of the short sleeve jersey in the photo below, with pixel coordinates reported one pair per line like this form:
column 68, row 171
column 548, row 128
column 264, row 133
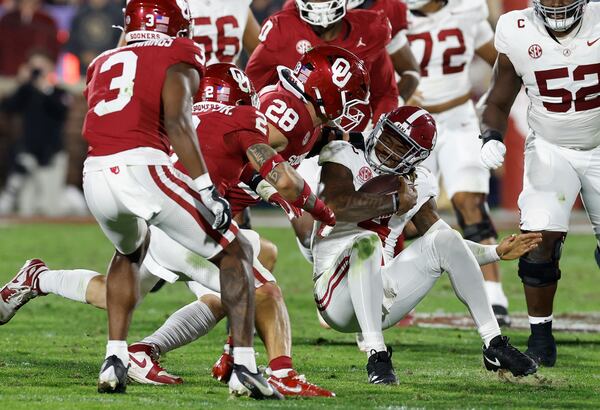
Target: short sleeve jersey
column 224, row 134
column 561, row 76
column 219, row 26
column 444, row 43
column 123, row 93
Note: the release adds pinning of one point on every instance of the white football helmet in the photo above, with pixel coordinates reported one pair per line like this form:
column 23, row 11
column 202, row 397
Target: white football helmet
column 321, row 13
column 560, row 18
column 352, row 4
column 416, row 4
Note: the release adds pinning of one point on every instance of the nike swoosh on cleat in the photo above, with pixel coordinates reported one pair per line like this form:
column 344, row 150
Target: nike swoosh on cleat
column 591, row 43
column 496, row 362
column 134, row 360
column 296, row 389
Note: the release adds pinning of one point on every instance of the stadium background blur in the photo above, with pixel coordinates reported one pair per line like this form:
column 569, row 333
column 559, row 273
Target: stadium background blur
column 72, row 33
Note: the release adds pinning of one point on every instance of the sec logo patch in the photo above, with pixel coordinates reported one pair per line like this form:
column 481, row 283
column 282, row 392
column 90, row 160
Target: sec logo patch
column 535, row 51
column 365, row 173
column 303, row 46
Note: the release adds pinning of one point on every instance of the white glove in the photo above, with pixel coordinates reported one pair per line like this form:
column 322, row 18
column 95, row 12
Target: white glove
column 492, row 154
column 216, row 204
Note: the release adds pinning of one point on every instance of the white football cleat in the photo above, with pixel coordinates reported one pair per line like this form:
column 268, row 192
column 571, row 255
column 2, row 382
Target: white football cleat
column 21, row 289
column 245, row 383
column 144, row 367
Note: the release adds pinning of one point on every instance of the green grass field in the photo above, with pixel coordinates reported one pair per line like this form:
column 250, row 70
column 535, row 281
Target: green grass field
column 51, row 352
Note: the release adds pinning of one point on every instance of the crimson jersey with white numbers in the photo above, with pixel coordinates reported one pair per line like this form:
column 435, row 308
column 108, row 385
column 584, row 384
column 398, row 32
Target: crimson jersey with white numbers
column 225, row 133
column 326, row 250
column 123, row 93
column 288, row 113
column 219, row 26
column 444, row 43
column 562, row 78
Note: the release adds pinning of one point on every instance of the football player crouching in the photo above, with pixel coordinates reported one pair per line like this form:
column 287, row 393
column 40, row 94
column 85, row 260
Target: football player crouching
column 353, row 290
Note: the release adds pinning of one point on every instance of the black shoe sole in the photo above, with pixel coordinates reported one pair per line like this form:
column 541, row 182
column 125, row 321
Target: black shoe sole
column 107, row 388
column 493, row 368
column 541, row 359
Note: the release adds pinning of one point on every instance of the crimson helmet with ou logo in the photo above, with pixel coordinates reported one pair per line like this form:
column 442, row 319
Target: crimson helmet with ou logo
column 156, row 19
column 401, row 140
column 225, row 83
column 335, row 81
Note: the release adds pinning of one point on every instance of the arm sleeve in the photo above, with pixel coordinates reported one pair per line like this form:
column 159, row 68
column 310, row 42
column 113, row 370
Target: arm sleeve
column 261, row 68
column 484, row 35
column 484, row 254
column 384, row 91
column 248, row 138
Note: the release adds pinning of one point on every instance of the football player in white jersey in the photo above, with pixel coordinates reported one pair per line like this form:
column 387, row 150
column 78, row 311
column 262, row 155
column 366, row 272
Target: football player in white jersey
column 354, row 290
column 553, row 49
column 445, row 36
column 223, row 27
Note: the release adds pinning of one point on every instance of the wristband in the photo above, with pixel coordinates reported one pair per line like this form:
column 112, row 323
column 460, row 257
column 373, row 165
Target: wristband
column 202, row 182
column 303, row 197
column 269, row 164
column 491, row 134
column 357, row 140
column 396, row 201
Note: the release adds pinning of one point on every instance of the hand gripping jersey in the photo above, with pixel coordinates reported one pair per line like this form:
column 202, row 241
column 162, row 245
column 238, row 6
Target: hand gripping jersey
column 219, row 26
column 123, row 93
column 285, row 37
column 562, row 78
column 397, row 12
column 325, row 250
column 225, row 132
column 445, row 42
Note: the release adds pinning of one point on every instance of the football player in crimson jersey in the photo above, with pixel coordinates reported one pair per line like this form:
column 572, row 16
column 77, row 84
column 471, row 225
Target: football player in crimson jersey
column 553, row 50
column 223, row 28
column 353, row 287
column 445, row 36
column 139, row 98
column 286, row 35
column 404, row 62
column 232, row 133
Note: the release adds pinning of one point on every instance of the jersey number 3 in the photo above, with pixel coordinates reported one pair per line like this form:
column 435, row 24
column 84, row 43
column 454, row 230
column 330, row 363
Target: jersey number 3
column 123, row 83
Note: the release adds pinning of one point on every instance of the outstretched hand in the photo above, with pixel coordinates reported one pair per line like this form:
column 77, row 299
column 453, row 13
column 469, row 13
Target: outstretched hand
column 514, row 246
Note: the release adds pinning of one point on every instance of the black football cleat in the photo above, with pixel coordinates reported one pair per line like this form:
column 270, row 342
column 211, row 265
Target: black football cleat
column 245, row 383
column 380, row 368
column 502, row 316
column 542, row 350
column 113, row 376
column 502, row 355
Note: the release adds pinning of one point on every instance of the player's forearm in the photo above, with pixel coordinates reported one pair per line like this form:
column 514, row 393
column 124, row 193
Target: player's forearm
column 483, row 254
column 358, row 206
column 184, row 143
column 286, row 181
column 407, row 86
column 494, row 118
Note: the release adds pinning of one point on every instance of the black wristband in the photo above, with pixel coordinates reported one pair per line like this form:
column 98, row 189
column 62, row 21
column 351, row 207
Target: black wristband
column 254, row 181
column 357, row 140
column 491, row 134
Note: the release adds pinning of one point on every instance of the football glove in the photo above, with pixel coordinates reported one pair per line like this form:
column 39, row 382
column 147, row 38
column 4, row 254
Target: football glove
column 493, row 149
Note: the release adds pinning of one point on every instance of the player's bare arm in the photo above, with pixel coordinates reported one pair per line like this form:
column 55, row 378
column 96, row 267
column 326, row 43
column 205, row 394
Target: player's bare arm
column 251, row 32
column 180, row 84
column 488, row 53
column 407, row 67
column 350, row 205
column 282, row 177
column 505, row 86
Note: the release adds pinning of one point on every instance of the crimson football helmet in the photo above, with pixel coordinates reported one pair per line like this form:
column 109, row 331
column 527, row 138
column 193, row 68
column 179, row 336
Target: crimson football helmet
column 225, row 83
column 155, row 19
column 560, row 18
column 335, row 81
column 321, row 13
column 401, row 140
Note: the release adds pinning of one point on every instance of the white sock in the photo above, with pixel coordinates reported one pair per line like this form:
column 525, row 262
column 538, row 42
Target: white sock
column 366, row 288
column 70, row 284
column 495, row 293
column 119, row 349
column 182, row 327
column 373, row 342
column 467, row 281
column 538, row 320
column 245, row 357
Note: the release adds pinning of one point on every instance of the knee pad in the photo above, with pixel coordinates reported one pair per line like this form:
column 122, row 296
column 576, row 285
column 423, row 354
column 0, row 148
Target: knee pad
column 541, row 273
column 366, row 246
column 480, row 231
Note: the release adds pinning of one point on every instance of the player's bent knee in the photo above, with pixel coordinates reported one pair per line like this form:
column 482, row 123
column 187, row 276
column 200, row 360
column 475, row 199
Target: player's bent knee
column 214, row 304
column 367, row 246
column 475, row 231
column 268, row 254
column 540, row 267
column 269, row 291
